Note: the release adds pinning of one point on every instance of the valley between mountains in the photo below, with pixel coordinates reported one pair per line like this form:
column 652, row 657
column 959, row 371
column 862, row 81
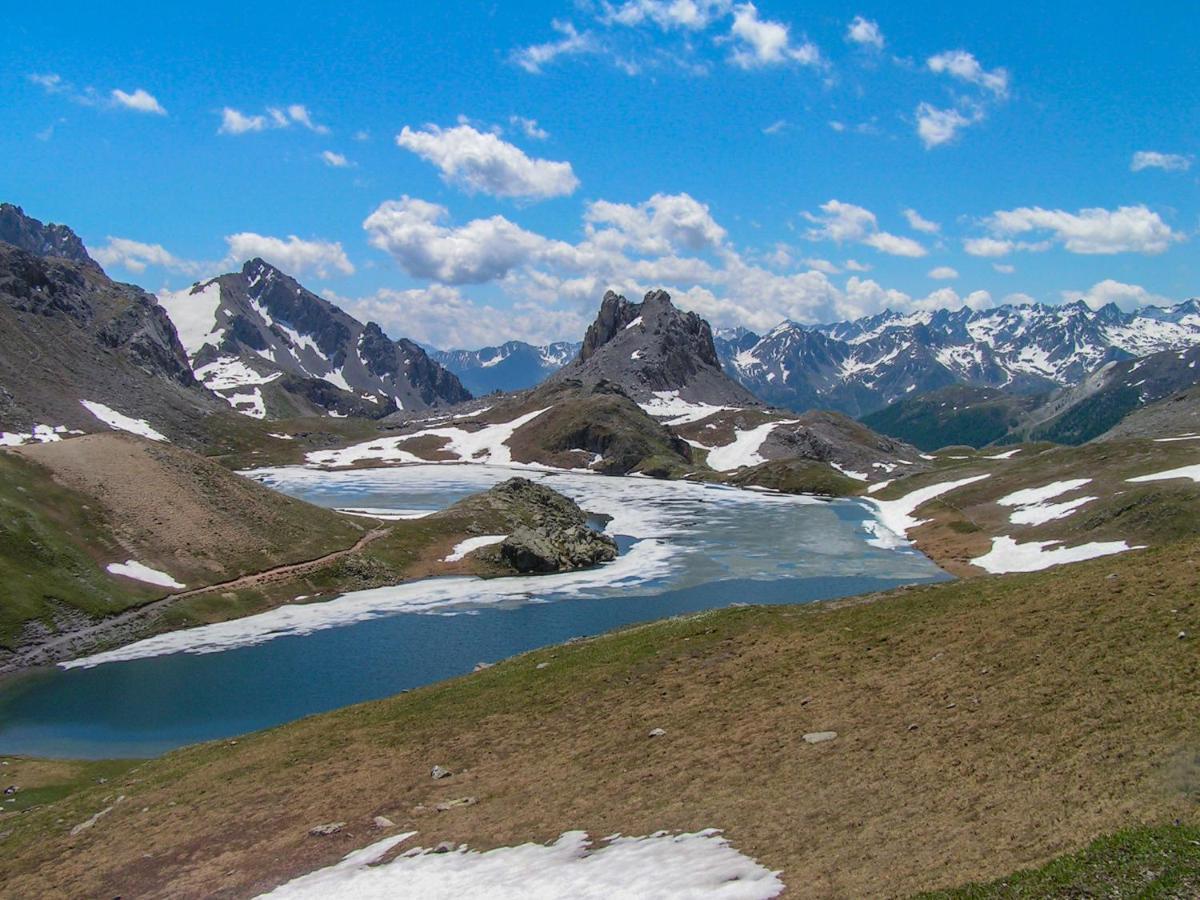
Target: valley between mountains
column 999, row 509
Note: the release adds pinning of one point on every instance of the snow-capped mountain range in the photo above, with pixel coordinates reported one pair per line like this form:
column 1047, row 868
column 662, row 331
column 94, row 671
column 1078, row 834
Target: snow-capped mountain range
column 861, row 366
column 513, row 366
column 269, row 346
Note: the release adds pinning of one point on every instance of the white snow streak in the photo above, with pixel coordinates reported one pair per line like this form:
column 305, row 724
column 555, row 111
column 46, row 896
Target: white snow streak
column 1007, row 555
column 745, row 447
column 122, row 422
column 133, row 569
column 659, row 866
column 462, row 548
column 896, row 516
column 1192, row 472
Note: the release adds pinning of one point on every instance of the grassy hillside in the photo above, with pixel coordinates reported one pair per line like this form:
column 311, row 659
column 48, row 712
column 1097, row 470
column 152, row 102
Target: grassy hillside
column 958, row 414
column 71, row 508
column 961, row 525
column 984, row 726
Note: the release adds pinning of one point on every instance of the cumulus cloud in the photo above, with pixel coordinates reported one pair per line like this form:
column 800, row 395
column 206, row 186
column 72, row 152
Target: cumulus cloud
column 441, row 316
column 988, row 247
column 1168, row 162
column 965, row 67
column 842, row 222
column 136, row 256
column 480, row 162
column 937, row 126
column 919, row 223
column 661, row 224
column 292, row 254
column 571, row 43
column 1127, row 229
column 762, row 42
column 139, row 101
column 414, row 233
column 1126, row 296
column 235, row 122
column 943, row 273
column 335, row 160
column 864, row 32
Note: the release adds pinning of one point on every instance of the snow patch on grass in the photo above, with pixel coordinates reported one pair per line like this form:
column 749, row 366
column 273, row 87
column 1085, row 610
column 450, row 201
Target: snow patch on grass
column 660, row 866
column 487, row 445
column 895, row 517
column 1192, row 472
column 1032, row 507
column 121, row 422
column 133, row 569
column 462, row 548
column 1007, row 555
column 40, row 434
column 670, row 406
column 745, row 447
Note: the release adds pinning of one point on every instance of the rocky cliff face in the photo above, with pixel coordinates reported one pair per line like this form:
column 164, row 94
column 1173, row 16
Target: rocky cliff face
column 651, row 348
column 272, row 347
column 71, row 334
column 40, row 238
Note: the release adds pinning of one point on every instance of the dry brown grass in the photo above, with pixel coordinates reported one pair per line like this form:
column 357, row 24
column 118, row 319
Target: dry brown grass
column 1048, row 709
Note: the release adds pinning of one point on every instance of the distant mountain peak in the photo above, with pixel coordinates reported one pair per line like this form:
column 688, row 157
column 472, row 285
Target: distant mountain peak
column 862, row 365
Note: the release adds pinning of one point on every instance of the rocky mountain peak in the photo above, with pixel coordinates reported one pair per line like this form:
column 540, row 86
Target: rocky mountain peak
column 653, row 347
column 39, row 238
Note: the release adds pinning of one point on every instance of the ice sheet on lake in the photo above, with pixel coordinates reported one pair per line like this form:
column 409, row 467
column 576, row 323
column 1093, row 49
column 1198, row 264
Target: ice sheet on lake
column 681, row 530
column 659, row 866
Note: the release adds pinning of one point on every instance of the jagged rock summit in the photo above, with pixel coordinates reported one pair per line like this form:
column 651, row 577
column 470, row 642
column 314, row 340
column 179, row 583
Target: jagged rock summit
column 652, row 348
column 272, row 347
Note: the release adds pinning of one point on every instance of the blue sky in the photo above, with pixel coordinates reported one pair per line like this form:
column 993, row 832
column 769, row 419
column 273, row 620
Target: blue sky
column 468, row 172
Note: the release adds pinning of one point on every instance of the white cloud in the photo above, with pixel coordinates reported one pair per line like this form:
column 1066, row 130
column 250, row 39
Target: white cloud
column 50, row 82
column 529, row 127
column 572, row 43
column 894, row 244
column 411, row 230
column 1004, row 268
column 481, row 162
column 661, row 224
column 939, row 126
column 762, row 42
column 943, row 273
column 292, row 254
column 139, row 101
column 298, row 113
column 135, row 256
column 823, row 266
column 775, row 127
column 234, row 121
column 336, row 160
column 1168, row 162
column 865, row 32
column 919, row 223
column 853, row 265
column 964, row 66
column 990, row 247
column 1126, row 296
column 1127, row 229
column 841, row 222
column 440, row 316
column 690, row 15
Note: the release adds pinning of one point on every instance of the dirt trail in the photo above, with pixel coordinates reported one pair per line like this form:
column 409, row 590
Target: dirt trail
column 135, row 621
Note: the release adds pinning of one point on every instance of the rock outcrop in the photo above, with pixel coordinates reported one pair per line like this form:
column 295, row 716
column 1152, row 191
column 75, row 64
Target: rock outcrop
column 653, row 347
